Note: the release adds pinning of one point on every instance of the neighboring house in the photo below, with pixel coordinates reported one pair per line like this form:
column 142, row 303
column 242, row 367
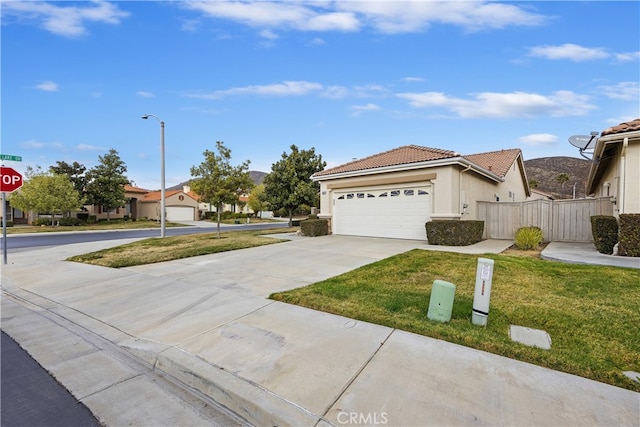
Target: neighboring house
column 537, row 195
column 180, row 205
column 394, row 193
column 615, row 171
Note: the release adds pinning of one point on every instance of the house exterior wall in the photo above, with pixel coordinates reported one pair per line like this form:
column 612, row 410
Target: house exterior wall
column 620, row 179
column 453, row 187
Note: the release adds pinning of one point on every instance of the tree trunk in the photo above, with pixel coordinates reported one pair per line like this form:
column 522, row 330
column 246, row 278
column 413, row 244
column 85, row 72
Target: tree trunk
column 218, row 213
column 290, row 217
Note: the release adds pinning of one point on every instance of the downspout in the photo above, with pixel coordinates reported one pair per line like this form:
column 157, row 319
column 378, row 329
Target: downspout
column 460, row 202
column 623, row 174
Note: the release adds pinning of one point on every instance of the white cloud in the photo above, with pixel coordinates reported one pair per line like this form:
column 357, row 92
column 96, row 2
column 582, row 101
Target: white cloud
column 268, row 34
column 287, row 88
column 47, row 86
column 359, row 109
column 33, row 144
column 384, row 16
column 88, row 147
column 628, row 56
column 625, row 91
column 538, row 139
column 145, row 94
column 501, row 105
column 569, row 51
column 317, row 41
column 412, row 79
column 69, row 21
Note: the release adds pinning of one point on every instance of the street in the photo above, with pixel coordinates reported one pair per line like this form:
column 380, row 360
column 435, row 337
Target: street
column 16, row 241
column 32, row 397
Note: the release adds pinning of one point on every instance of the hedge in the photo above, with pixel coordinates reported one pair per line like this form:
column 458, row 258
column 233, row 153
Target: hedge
column 454, row 233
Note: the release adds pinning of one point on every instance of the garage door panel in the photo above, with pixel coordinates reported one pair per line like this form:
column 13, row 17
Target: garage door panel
column 398, row 213
column 180, row 213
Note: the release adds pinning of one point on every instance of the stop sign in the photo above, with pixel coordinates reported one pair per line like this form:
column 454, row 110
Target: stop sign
column 10, row 180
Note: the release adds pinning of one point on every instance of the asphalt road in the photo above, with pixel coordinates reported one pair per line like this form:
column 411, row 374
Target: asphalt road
column 17, row 241
column 31, row 397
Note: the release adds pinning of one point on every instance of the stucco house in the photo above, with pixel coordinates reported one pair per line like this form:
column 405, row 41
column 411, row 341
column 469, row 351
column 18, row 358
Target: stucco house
column 394, row 193
column 615, row 170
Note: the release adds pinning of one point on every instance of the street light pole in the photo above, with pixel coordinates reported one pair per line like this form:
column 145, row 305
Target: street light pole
column 162, row 186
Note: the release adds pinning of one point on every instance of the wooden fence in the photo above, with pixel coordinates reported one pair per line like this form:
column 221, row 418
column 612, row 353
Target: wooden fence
column 560, row 220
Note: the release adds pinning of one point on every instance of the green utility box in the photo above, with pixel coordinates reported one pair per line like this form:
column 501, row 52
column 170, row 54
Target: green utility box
column 441, row 302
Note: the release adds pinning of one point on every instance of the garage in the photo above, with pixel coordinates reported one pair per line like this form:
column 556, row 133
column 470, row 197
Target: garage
column 180, row 213
column 397, row 212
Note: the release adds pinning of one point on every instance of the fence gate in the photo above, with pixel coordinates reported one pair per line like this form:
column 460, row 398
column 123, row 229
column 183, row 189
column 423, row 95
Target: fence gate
column 560, row 220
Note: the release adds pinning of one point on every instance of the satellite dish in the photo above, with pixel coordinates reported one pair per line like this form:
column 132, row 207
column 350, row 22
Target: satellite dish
column 583, row 142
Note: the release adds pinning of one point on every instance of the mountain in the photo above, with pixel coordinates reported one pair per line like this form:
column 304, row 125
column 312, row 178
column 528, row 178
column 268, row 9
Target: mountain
column 546, row 170
column 256, row 176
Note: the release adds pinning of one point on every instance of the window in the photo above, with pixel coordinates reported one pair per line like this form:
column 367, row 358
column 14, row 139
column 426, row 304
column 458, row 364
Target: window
column 341, row 197
column 408, row 192
column 383, row 194
column 350, row 196
column 422, row 193
column 395, row 193
column 360, row 195
column 369, row 195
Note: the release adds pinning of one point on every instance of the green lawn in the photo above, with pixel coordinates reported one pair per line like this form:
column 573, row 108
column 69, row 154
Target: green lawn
column 154, row 250
column 592, row 313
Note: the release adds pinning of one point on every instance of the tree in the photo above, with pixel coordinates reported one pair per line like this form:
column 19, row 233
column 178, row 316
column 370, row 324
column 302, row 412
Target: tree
column 46, row 193
column 256, row 200
column 106, row 181
column 562, row 179
column 75, row 172
column 289, row 184
column 534, row 183
column 218, row 182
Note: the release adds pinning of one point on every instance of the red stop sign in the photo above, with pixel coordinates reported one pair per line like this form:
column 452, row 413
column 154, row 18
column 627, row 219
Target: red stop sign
column 10, row 180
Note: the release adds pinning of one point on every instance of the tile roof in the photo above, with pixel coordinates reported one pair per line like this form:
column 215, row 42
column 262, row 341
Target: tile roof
column 631, row 126
column 497, row 162
column 154, row 196
column 398, row 156
column 131, row 189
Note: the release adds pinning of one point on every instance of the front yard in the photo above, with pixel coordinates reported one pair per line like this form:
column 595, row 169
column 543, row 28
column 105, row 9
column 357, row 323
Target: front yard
column 592, row 313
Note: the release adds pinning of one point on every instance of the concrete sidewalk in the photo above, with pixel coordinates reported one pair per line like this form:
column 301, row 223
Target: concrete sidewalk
column 204, row 323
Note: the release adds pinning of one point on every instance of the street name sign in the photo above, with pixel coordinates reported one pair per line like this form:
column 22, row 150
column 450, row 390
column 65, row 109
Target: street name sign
column 10, row 157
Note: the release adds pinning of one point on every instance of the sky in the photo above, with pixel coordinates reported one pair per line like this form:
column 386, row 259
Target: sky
column 347, row 78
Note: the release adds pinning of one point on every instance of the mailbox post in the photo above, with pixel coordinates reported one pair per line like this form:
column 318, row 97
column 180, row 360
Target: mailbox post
column 482, row 294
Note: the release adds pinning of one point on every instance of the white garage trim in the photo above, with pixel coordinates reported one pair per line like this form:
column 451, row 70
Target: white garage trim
column 180, row 213
column 399, row 211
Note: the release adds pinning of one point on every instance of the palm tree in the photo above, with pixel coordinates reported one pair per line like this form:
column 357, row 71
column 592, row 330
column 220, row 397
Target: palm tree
column 562, row 178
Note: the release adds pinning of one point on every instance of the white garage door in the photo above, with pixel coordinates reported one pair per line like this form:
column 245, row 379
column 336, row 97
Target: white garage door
column 400, row 212
column 180, row 213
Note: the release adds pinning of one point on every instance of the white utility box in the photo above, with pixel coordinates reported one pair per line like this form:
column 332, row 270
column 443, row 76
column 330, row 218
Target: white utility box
column 482, row 294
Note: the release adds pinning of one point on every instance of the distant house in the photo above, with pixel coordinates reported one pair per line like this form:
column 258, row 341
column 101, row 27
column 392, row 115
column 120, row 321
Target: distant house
column 615, row 171
column 394, row 193
column 537, row 194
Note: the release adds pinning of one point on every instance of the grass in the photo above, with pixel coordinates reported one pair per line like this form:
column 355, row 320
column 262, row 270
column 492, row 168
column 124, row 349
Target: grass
column 592, row 313
column 154, row 250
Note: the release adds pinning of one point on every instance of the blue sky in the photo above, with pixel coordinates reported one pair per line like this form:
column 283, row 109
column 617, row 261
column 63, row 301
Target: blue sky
column 350, row 78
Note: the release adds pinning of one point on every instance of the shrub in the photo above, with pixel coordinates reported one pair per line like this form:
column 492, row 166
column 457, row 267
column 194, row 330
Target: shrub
column 454, row 233
column 605, row 233
column 314, row 227
column 42, row 221
column 528, row 238
column 83, row 216
column 9, row 223
column 92, row 219
column 629, row 235
column 69, row 221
